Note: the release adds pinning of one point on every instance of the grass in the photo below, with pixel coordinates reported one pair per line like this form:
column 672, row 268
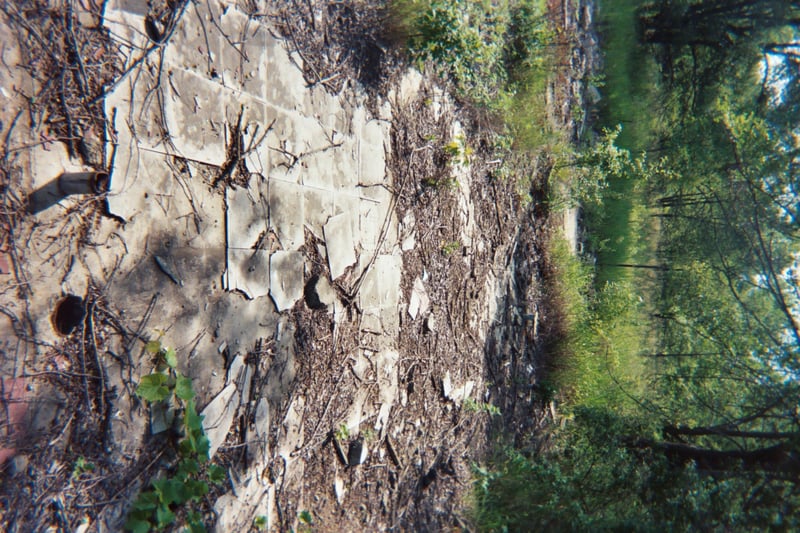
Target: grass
column 628, row 72
column 600, row 352
column 596, row 362
column 496, row 54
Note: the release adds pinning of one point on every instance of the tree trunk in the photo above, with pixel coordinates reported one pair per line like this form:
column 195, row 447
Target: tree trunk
column 729, row 432
column 779, row 458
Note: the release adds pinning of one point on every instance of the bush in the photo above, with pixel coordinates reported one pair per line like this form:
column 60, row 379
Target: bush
column 486, row 48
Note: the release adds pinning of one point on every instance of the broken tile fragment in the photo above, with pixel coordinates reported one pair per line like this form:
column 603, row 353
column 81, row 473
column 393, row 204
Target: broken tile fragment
column 248, row 272
column 218, row 417
column 419, row 302
column 286, row 279
column 340, row 244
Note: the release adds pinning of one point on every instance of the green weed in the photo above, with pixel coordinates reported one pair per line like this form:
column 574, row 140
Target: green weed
column 156, row 507
column 260, row 523
column 458, row 150
column 474, row 406
column 451, row 247
column 368, row 434
column 81, row 466
column 342, row 433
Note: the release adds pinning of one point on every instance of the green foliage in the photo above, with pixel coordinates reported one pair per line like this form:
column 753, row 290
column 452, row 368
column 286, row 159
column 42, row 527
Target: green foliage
column 305, row 517
column 474, row 406
column 368, row 434
column 596, row 360
column 487, row 49
column 154, row 387
column 156, row 507
column 81, row 466
column 451, row 247
column 342, row 433
column 710, row 213
column 465, row 39
column 596, row 479
column 260, row 523
column 458, row 150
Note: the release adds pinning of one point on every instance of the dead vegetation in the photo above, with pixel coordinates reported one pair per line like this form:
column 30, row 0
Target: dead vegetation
column 71, row 62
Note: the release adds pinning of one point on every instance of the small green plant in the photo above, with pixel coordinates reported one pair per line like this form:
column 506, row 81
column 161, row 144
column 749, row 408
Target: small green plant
column 260, row 523
column 155, row 508
column 82, row 466
column 442, row 183
column 368, row 434
column 342, row 433
column 306, row 521
column 474, row 406
column 458, row 150
column 451, row 247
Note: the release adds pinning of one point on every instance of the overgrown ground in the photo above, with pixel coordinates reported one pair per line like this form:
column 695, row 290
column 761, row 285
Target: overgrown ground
column 424, row 480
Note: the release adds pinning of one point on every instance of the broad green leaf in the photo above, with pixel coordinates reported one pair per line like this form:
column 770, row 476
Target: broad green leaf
column 164, row 516
column 153, row 388
column 187, row 467
column 146, row 501
column 306, row 518
column 203, row 446
column 137, row 526
column 196, row 489
column 216, row 474
column 183, row 388
column 153, row 346
column 169, row 491
column 193, row 420
column 186, row 448
column 170, row 357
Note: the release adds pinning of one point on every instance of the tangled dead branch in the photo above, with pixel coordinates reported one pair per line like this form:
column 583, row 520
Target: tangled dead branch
column 71, row 65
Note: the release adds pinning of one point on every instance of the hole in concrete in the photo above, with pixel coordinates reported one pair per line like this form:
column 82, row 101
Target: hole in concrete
column 101, row 182
column 68, row 314
column 311, row 295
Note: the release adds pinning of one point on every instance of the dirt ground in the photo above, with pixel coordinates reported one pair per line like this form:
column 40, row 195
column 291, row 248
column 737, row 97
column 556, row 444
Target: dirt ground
column 420, row 478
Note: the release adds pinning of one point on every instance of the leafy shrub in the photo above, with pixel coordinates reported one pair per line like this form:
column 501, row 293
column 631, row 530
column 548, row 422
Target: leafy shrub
column 466, row 39
column 482, row 46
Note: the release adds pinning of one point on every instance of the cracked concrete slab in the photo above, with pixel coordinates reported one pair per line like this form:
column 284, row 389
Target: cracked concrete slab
column 381, row 284
column 246, row 217
column 249, row 272
column 286, row 278
column 286, row 213
column 282, row 90
column 308, row 171
column 194, row 46
column 372, row 153
column 340, row 244
column 317, row 208
column 193, row 116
